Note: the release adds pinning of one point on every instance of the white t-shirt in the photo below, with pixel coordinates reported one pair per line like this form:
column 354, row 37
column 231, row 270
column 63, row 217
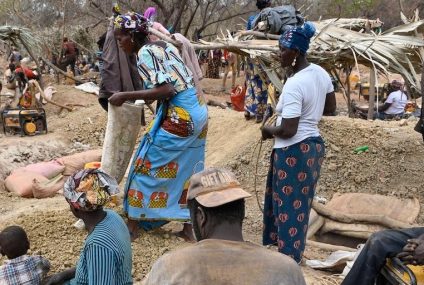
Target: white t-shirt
column 303, row 96
column 398, row 100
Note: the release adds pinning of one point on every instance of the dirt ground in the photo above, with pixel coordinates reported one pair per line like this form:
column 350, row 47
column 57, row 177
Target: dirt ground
column 393, row 166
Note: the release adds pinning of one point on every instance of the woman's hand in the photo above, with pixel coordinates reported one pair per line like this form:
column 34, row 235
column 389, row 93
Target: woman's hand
column 266, row 133
column 118, row 99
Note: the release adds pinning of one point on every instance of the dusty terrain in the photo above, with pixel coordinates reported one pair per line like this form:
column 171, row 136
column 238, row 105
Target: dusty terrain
column 393, row 166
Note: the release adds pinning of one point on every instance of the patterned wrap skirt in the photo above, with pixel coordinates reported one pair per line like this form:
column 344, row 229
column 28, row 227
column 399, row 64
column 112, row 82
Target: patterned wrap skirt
column 172, row 150
column 290, row 189
column 256, row 92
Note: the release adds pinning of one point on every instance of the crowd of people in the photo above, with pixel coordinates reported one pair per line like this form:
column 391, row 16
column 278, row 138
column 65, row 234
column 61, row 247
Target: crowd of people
column 168, row 180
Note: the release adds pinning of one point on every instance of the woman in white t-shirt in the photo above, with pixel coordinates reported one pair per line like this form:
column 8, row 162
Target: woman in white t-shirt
column 299, row 149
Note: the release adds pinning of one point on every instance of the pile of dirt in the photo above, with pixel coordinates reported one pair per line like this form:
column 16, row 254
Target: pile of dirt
column 392, row 166
column 85, row 124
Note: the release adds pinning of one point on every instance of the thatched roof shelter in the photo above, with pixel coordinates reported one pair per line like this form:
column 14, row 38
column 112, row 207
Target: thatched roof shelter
column 334, row 46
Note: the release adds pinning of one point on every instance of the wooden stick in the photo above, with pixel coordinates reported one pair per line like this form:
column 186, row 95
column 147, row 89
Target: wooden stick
column 75, row 105
column 329, row 247
column 349, row 100
column 48, row 100
column 235, row 46
column 57, row 69
column 359, row 218
column 260, row 34
column 372, row 95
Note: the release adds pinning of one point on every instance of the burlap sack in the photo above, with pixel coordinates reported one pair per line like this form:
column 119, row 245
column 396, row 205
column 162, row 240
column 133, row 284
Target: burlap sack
column 363, row 231
column 405, row 210
column 21, row 182
column 48, row 189
column 123, row 126
column 77, row 161
column 48, row 169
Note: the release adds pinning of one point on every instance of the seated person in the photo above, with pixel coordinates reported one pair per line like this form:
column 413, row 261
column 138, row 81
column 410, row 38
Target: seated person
column 106, row 257
column 394, row 106
column 407, row 244
column 29, row 73
column 20, row 268
column 221, row 256
column 84, row 67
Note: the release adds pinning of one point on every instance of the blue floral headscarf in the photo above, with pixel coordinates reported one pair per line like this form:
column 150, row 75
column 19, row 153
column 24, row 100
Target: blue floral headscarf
column 298, row 37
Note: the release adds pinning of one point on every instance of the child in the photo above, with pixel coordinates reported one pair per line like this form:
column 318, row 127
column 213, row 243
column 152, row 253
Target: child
column 20, row 268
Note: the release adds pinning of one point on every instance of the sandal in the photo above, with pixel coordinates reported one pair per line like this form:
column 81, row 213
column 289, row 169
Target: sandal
column 247, row 115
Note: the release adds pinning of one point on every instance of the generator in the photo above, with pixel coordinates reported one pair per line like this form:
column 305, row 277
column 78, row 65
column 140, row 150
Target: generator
column 26, row 122
column 394, row 272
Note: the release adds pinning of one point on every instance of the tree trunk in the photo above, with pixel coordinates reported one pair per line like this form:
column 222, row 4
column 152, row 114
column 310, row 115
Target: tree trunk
column 371, row 100
column 191, row 20
column 177, row 22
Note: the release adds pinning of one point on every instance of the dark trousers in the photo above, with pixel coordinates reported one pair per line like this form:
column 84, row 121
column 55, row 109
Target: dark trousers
column 379, row 246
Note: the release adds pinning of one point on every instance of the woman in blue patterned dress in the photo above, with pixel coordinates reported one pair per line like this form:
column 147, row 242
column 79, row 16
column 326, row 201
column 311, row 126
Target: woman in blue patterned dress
column 173, row 148
column 256, row 90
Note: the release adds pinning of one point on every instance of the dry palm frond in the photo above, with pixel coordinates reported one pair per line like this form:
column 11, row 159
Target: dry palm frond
column 16, row 35
column 350, row 24
column 394, row 51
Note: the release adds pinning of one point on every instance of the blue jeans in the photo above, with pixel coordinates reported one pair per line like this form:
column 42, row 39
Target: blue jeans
column 384, row 116
column 372, row 258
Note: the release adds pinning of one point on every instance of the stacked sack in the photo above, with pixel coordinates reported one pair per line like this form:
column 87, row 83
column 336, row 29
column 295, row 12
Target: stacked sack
column 45, row 179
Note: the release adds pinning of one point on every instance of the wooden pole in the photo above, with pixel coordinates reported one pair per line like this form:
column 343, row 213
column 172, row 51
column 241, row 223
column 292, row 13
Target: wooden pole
column 259, row 34
column 371, row 100
column 211, row 46
column 349, row 101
